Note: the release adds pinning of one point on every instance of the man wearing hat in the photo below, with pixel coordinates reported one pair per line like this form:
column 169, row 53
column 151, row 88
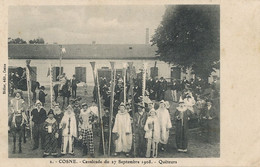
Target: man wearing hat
column 181, row 117
column 17, row 105
column 123, row 131
column 140, row 118
column 17, row 113
column 165, row 124
column 74, row 86
column 51, row 127
column 38, row 117
column 42, row 95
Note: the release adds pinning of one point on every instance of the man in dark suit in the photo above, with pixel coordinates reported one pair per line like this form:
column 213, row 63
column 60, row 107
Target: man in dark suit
column 74, row 86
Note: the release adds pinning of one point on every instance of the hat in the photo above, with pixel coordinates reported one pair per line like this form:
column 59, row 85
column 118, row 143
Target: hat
column 140, row 105
column 181, row 100
column 162, row 101
column 84, row 104
column 78, row 98
column 56, row 104
column 51, row 112
column 38, row 102
column 69, row 107
column 18, row 91
column 121, row 104
column 42, row 87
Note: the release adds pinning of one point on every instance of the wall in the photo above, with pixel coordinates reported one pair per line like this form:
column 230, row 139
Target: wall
column 69, row 67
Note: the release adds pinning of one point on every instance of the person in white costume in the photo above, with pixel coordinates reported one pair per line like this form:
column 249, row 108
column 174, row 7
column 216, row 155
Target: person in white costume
column 123, row 131
column 152, row 129
column 69, row 130
column 165, row 124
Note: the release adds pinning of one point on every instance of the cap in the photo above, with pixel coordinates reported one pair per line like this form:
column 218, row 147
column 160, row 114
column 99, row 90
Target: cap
column 84, row 104
column 38, row 102
column 51, row 112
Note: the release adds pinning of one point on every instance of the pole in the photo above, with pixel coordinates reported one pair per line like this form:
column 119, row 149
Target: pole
column 28, row 78
column 60, row 61
column 112, row 94
column 95, row 75
column 51, row 85
column 144, row 81
column 133, row 103
column 124, row 78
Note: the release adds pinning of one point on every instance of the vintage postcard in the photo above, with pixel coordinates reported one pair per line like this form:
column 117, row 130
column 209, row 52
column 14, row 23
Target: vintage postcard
column 129, row 83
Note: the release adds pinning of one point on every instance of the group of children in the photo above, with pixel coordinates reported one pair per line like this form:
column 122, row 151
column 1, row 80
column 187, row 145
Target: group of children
column 63, row 128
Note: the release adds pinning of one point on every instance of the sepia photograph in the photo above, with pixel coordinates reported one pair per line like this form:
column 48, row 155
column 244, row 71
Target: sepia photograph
column 114, row 81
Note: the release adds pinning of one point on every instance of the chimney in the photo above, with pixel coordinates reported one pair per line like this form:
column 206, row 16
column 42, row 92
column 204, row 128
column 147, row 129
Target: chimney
column 147, row 36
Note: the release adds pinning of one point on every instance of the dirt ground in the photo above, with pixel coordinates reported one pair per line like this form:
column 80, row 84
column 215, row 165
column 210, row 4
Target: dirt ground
column 198, row 147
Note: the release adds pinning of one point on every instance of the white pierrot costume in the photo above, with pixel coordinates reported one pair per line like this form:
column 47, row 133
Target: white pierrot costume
column 121, row 127
column 70, row 127
column 165, row 123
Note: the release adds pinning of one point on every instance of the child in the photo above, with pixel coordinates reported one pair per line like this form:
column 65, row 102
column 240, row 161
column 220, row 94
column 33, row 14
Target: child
column 42, row 95
column 51, row 127
column 181, row 116
column 152, row 134
column 58, row 114
column 69, row 130
column 123, row 131
column 86, row 116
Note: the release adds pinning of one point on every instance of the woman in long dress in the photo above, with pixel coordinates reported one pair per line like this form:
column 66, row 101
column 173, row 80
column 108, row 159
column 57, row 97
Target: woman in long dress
column 51, row 134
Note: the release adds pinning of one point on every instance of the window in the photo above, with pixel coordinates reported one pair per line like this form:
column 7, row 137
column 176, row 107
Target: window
column 80, row 73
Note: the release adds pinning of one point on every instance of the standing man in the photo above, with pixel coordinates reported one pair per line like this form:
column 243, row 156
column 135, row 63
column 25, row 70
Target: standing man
column 74, row 86
column 39, row 116
column 174, row 91
column 42, row 95
column 139, row 123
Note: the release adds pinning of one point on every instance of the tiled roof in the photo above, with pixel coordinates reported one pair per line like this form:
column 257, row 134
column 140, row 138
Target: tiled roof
column 82, row 51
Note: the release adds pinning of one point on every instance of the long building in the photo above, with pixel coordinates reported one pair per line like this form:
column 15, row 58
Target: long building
column 76, row 60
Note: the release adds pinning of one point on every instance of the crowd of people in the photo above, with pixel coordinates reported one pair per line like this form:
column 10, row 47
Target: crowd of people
column 142, row 133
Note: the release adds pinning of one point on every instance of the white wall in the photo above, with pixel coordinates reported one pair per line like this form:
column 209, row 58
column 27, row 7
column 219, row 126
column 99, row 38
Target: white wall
column 42, row 65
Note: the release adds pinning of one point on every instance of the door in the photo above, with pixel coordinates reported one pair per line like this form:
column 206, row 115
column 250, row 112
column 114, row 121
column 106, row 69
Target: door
column 80, row 73
column 56, row 72
column 154, row 72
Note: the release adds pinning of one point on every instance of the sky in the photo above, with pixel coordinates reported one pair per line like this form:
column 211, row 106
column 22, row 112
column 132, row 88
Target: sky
column 84, row 24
